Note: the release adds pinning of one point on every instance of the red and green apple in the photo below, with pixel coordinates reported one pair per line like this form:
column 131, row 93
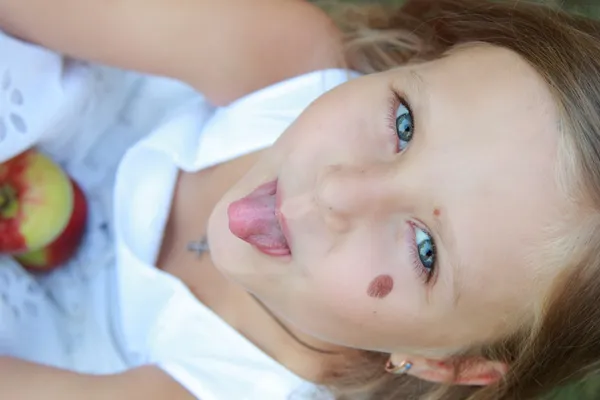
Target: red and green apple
column 36, row 202
column 65, row 245
column 43, row 212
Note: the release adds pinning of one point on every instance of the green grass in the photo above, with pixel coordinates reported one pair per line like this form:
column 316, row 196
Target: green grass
column 590, row 388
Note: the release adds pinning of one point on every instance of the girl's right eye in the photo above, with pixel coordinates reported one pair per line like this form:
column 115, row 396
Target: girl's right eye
column 404, row 125
column 426, row 253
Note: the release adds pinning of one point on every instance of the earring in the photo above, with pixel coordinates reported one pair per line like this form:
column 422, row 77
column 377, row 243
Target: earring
column 399, row 369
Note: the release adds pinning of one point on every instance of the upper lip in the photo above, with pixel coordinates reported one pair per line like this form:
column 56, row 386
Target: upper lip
column 280, row 217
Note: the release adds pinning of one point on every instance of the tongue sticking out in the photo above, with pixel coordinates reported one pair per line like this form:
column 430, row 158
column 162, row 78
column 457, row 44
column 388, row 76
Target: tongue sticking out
column 254, row 220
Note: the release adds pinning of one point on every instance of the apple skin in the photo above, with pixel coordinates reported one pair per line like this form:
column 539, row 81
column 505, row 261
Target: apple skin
column 36, row 202
column 65, row 245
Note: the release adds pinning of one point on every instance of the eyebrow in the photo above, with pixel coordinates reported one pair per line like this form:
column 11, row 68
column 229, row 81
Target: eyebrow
column 443, row 228
column 417, row 84
column 441, row 223
column 418, row 78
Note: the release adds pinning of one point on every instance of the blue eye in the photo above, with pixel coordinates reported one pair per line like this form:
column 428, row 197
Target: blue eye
column 404, row 125
column 425, row 249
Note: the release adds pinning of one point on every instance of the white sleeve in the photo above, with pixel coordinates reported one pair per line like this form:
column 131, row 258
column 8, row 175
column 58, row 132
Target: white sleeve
column 180, row 335
column 47, row 99
column 255, row 121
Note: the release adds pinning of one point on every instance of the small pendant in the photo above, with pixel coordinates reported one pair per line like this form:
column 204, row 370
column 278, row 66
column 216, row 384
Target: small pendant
column 199, row 246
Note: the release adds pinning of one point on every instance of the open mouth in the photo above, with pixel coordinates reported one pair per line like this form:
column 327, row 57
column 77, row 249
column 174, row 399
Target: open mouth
column 257, row 220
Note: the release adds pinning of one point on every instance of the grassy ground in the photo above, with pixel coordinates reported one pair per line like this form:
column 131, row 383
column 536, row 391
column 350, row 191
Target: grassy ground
column 589, row 389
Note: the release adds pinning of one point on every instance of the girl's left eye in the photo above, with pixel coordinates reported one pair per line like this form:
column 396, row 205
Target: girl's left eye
column 404, row 125
column 425, row 252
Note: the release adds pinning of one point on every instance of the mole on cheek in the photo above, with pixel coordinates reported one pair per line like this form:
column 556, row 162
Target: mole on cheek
column 380, row 287
column 437, row 212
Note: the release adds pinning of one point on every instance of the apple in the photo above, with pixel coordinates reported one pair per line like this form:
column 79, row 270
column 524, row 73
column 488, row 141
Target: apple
column 36, row 202
column 64, row 246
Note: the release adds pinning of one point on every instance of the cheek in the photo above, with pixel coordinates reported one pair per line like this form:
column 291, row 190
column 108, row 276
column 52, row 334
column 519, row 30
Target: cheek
column 343, row 281
column 354, row 284
column 367, row 268
column 381, row 286
column 349, row 308
column 330, row 132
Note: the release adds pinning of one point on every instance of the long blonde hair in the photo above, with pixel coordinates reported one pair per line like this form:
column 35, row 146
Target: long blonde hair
column 564, row 344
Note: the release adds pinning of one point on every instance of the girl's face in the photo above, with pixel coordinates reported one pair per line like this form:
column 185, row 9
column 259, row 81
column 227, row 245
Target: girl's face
column 412, row 202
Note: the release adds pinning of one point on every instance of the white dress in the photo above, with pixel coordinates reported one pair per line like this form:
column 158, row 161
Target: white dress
column 109, row 309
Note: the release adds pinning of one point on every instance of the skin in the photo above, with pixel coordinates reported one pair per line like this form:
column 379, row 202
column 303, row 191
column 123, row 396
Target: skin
column 481, row 163
column 349, row 199
column 381, row 286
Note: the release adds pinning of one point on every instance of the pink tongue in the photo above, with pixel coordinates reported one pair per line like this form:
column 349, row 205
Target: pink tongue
column 253, row 220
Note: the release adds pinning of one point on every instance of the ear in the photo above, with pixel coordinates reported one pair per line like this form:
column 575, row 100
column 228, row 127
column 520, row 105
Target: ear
column 476, row 371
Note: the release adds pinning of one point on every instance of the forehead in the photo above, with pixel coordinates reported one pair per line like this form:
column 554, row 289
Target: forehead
column 487, row 131
column 492, row 85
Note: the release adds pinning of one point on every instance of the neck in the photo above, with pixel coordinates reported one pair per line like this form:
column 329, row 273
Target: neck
column 227, row 299
column 306, row 356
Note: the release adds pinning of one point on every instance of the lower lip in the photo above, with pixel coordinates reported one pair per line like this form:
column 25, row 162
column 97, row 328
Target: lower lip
column 273, row 253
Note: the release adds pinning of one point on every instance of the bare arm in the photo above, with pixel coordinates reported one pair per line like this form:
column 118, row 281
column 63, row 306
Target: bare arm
column 224, row 48
column 26, row 381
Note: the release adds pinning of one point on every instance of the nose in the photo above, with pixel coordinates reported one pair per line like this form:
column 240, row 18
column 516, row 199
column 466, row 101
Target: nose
column 345, row 193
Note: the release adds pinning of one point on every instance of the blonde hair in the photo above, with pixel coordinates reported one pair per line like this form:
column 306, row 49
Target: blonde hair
column 563, row 344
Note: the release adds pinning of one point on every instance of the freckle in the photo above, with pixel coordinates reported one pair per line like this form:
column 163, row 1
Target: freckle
column 380, row 287
column 437, row 212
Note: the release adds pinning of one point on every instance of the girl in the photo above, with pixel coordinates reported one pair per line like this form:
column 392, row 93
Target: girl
column 434, row 220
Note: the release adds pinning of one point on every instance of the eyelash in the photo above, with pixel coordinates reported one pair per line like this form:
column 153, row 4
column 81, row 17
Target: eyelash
column 427, row 276
column 394, row 101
